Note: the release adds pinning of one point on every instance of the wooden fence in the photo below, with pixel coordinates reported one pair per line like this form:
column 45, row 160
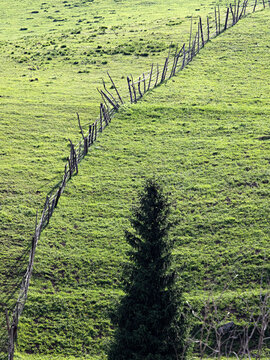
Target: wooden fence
column 174, row 62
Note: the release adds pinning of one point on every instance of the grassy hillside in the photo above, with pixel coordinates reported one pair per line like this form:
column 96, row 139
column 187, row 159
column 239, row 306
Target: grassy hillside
column 204, row 132
column 53, row 56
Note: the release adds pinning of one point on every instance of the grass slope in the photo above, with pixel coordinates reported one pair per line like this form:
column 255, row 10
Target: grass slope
column 77, row 274
column 206, row 134
column 53, row 56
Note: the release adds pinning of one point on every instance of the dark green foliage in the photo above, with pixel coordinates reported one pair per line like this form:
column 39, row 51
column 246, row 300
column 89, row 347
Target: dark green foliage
column 149, row 323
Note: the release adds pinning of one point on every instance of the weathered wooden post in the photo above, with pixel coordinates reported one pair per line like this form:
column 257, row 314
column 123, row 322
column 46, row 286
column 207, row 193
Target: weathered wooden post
column 226, row 20
column 233, row 14
column 100, row 117
column 216, row 21
column 144, row 84
column 139, row 87
column 198, row 49
column 115, row 88
column 201, row 32
column 129, row 89
column 114, row 104
column 134, row 90
column 175, row 59
column 190, row 35
column 208, row 29
column 255, row 4
column 105, row 114
column 184, row 57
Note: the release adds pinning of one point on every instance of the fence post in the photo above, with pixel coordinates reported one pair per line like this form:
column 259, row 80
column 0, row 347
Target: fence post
column 233, row 15
column 193, row 51
column 216, row 21
column 73, row 158
column 208, row 29
column 129, row 89
column 139, row 87
column 219, row 20
column 255, row 4
column 150, row 78
column 134, row 90
column 112, row 99
column 95, row 130
column 190, row 35
column 114, row 86
column 164, row 70
column 184, row 57
column 105, row 116
column 201, row 32
column 114, row 104
column 174, row 62
column 79, row 122
column 198, row 37
column 100, row 117
column 226, row 20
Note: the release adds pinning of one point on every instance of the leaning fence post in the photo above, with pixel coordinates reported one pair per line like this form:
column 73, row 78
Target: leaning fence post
column 242, row 10
column 100, row 117
column 115, row 105
column 255, row 4
column 164, row 72
column 226, row 20
column 79, row 122
column 113, row 101
column 184, row 57
column 129, row 89
column 193, row 50
column 133, row 88
column 105, row 116
column 174, row 62
column 115, row 88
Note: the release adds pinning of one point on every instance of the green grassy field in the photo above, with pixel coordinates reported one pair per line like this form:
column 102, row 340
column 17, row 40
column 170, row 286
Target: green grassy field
column 205, row 133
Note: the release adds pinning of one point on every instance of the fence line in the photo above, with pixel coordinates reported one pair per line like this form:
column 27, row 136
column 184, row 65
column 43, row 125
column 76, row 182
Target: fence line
column 111, row 103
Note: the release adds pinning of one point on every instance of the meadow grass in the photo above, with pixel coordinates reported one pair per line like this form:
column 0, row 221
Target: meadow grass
column 201, row 133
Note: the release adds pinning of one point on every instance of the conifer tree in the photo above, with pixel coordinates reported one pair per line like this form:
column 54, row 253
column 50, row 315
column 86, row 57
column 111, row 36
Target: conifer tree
column 148, row 321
